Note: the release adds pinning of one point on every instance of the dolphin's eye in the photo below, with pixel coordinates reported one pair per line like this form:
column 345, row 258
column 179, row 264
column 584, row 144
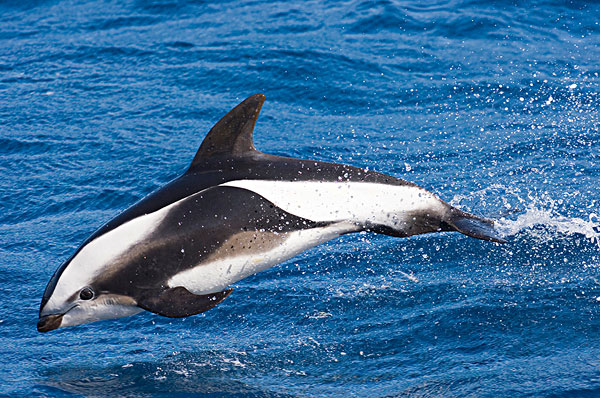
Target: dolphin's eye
column 86, row 293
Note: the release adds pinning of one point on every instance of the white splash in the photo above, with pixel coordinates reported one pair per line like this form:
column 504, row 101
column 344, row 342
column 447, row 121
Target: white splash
column 534, row 216
column 539, row 210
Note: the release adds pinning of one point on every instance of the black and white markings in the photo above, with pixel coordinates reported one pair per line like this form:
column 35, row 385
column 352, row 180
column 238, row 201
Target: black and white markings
column 235, row 212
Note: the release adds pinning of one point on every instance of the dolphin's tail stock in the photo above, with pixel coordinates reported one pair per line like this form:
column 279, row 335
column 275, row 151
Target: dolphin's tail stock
column 473, row 226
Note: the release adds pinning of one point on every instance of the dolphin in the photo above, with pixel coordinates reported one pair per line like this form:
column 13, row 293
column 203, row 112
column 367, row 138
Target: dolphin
column 234, row 212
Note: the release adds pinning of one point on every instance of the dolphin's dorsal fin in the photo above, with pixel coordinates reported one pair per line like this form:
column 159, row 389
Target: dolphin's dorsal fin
column 232, row 135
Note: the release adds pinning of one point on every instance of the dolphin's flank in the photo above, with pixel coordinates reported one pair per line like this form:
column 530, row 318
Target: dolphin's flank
column 236, row 211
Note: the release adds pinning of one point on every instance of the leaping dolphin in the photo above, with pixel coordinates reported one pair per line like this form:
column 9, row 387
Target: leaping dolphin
column 236, row 211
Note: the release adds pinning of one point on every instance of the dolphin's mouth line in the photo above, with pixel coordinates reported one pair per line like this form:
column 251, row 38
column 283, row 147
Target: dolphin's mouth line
column 60, row 314
column 50, row 322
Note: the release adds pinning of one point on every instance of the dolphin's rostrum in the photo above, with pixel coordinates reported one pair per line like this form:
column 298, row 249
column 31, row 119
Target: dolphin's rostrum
column 234, row 212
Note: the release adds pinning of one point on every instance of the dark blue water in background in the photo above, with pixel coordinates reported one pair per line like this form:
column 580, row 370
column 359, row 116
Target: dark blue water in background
column 492, row 105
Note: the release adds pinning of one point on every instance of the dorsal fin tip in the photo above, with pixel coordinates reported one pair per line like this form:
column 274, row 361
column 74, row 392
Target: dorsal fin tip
column 232, row 135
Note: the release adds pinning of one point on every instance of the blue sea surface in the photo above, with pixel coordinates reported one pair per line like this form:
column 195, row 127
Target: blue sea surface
column 492, row 105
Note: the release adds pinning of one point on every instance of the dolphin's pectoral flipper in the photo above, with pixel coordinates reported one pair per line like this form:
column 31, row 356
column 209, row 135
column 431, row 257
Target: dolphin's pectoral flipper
column 475, row 227
column 179, row 302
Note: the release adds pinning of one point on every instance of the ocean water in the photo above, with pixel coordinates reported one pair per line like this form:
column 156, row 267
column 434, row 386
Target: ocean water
column 493, row 105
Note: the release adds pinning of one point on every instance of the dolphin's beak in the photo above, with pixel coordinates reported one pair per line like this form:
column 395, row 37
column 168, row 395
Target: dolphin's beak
column 49, row 322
